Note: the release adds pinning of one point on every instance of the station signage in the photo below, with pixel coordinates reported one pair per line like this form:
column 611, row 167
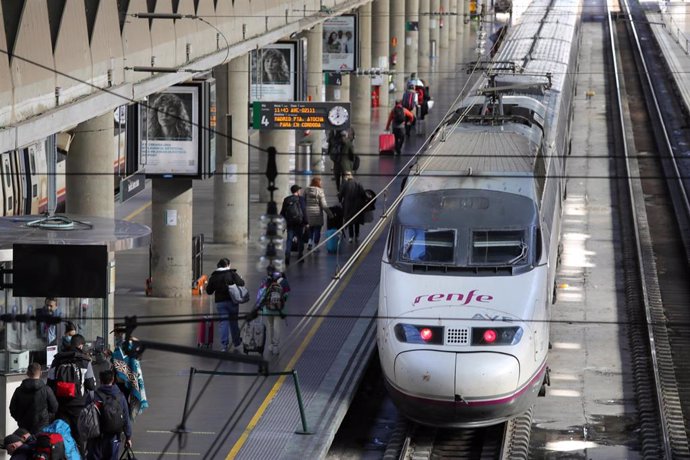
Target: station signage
column 300, row 115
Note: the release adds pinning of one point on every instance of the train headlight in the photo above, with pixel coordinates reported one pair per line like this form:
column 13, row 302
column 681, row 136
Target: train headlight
column 412, row 333
column 496, row 335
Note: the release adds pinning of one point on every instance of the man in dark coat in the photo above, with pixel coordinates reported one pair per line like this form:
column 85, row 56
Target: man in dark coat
column 352, row 198
column 33, row 404
column 69, row 407
column 107, row 446
column 294, row 211
column 218, row 283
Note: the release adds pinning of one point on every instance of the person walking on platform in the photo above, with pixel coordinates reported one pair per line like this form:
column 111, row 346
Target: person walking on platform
column 315, row 200
column 222, row 277
column 271, row 299
column 295, row 214
column 410, row 102
column 352, row 198
column 399, row 117
column 341, row 152
column 107, row 445
column 70, row 377
column 33, row 404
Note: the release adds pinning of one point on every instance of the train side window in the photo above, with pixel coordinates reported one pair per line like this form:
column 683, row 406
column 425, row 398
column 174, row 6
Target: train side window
column 32, row 162
column 540, row 171
column 389, row 250
column 34, row 190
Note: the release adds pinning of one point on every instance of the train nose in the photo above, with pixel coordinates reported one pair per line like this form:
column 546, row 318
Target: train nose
column 454, row 376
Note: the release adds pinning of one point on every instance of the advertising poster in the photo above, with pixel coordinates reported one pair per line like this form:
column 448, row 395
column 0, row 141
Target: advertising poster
column 169, row 134
column 340, row 43
column 273, row 73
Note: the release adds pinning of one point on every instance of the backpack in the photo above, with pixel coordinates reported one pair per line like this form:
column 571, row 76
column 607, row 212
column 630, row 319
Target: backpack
column 293, row 211
column 355, row 163
column 399, row 115
column 68, row 382
column 273, row 297
column 89, row 422
column 112, row 416
column 335, row 148
column 408, row 100
column 49, row 446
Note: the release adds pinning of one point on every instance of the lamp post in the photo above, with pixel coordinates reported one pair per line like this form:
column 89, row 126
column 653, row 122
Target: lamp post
column 272, row 224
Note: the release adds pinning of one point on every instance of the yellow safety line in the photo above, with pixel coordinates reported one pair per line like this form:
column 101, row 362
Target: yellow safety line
column 138, row 211
column 298, row 354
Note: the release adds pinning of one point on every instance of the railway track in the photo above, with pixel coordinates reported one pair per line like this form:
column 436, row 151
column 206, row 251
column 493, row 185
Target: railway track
column 650, row 127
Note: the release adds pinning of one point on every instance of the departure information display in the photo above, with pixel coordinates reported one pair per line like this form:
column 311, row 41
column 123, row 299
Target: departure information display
column 300, row 115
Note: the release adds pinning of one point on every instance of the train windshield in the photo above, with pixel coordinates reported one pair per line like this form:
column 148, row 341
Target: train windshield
column 428, row 245
column 496, row 247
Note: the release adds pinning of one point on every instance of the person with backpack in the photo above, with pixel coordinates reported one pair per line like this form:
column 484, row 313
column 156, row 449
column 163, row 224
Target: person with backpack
column 399, row 117
column 33, row 404
column 341, row 151
column 70, row 376
column 271, row 300
column 113, row 422
column 222, row 277
column 410, row 101
column 294, row 212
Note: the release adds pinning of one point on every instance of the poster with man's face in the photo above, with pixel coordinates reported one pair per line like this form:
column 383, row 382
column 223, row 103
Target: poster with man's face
column 340, row 43
column 273, row 73
column 169, row 132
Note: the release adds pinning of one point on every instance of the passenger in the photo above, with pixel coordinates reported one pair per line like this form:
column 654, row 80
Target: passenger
column 341, row 151
column 218, row 283
column 70, row 330
column 17, row 448
column 33, row 404
column 411, row 102
column 107, row 445
column 71, row 393
column 399, row 117
column 294, row 212
column 271, row 299
column 315, row 201
column 128, row 374
column 352, row 198
column 49, row 331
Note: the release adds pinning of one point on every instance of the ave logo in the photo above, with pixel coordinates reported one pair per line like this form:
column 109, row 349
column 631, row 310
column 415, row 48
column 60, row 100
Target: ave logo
column 464, row 299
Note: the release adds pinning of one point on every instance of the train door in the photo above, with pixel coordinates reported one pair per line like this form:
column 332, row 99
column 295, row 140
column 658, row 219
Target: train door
column 17, row 181
column 31, row 175
column 7, row 186
column 40, row 175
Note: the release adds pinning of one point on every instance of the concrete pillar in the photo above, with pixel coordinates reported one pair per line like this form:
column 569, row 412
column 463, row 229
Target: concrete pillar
column 360, row 90
column 452, row 20
column 90, row 180
column 434, row 29
column 380, row 39
column 397, row 25
column 445, row 7
column 411, row 36
column 424, row 34
column 231, row 182
column 171, row 237
column 315, row 89
column 281, row 139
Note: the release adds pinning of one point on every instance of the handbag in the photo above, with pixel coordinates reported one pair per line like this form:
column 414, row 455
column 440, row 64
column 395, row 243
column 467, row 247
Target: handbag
column 127, row 454
column 238, row 294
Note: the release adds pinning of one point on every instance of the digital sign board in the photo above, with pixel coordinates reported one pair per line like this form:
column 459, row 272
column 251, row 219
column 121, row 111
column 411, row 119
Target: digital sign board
column 300, row 115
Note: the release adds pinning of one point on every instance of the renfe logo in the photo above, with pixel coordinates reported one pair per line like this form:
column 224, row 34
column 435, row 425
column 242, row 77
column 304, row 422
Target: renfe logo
column 463, row 298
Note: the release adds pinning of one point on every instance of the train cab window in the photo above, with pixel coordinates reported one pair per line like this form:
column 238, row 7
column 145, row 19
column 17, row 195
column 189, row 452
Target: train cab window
column 428, row 245
column 498, row 247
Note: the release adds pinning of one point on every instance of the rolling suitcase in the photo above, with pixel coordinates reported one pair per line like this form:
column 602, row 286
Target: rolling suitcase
column 253, row 334
column 204, row 334
column 386, row 144
column 332, row 244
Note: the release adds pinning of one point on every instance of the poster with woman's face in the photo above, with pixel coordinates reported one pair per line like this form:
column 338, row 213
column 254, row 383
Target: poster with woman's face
column 169, row 134
column 340, row 43
column 273, row 73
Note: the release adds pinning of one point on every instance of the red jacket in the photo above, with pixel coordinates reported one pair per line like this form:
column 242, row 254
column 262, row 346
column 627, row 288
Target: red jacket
column 409, row 116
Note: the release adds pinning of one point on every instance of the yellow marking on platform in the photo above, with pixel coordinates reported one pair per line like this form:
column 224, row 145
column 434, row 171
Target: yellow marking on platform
column 178, row 454
column 298, row 354
column 210, row 433
column 137, row 212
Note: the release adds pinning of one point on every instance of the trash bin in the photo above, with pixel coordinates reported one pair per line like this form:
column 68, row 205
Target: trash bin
column 303, row 160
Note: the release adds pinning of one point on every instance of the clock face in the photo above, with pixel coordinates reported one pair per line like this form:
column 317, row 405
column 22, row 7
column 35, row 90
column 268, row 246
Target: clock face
column 338, row 115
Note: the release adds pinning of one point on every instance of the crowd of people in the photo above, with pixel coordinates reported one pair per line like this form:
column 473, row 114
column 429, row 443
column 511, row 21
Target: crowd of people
column 53, row 415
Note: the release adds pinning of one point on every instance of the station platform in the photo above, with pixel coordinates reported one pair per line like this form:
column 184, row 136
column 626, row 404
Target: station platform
column 329, row 343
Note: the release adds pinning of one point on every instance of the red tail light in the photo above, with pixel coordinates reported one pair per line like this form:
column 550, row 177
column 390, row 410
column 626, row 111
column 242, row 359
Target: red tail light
column 426, row 334
column 489, row 336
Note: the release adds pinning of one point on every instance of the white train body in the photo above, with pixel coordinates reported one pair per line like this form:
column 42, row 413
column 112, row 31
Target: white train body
column 468, row 274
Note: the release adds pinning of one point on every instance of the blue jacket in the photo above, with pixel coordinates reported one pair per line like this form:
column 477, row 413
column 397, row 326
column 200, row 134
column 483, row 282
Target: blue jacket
column 60, row 426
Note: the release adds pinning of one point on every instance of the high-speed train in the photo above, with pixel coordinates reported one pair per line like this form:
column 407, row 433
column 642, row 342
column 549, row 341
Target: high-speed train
column 468, row 273
column 24, row 174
